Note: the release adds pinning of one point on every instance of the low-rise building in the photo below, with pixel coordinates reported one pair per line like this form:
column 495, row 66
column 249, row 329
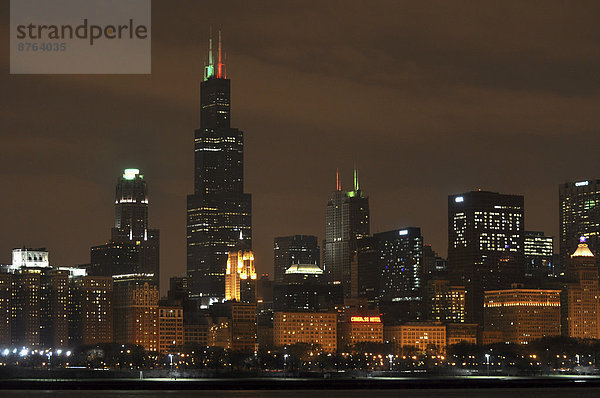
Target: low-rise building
column 306, row 327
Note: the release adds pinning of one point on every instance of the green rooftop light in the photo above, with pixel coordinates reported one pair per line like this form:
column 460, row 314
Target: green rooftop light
column 129, row 174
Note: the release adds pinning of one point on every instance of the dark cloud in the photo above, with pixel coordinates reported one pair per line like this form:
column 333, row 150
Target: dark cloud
column 426, row 99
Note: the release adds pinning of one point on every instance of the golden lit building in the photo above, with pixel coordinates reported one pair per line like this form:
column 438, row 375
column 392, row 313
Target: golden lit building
column 90, row 310
column 305, row 327
column 240, row 276
column 360, row 329
column 170, row 328
column 445, row 303
column 136, row 310
column 522, row 315
column 580, row 298
column 417, row 335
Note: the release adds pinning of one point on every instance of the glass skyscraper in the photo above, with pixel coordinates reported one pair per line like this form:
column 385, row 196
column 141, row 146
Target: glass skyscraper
column 218, row 212
column 347, row 221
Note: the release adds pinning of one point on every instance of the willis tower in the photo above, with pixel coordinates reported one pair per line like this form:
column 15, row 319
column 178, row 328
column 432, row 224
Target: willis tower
column 219, row 213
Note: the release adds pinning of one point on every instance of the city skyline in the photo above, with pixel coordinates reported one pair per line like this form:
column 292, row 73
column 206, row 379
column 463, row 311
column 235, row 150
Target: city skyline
column 408, row 176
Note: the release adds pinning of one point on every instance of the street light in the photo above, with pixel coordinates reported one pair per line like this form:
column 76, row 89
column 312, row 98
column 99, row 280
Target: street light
column 487, row 357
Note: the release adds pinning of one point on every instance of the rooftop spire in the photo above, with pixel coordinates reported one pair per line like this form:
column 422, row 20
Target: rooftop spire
column 356, row 187
column 220, row 65
column 338, row 183
column 209, row 70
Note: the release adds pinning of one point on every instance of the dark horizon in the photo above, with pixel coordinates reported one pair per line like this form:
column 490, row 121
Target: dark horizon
column 426, row 102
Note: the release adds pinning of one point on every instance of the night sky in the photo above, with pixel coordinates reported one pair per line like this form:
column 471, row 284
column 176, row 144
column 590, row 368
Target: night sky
column 425, row 99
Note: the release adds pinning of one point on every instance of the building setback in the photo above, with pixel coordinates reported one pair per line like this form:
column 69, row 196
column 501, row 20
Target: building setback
column 218, row 211
column 133, row 247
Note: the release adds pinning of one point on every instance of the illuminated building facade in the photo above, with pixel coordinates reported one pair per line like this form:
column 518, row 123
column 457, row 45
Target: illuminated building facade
column 35, row 300
column 347, row 220
column 420, row 336
column 485, row 245
column 295, row 249
column 136, row 310
column 305, row 327
column 539, row 264
column 581, row 295
column 522, row 315
column 444, row 302
column 133, row 247
column 240, row 275
column 170, row 329
column 218, row 211
column 90, row 310
column 579, row 215
column 360, row 329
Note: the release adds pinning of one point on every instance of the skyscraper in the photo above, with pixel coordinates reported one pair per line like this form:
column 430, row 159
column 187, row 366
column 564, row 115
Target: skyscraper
column 240, row 276
column 539, row 264
column 347, row 221
column 401, row 264
column 295, row 249
column 579, row 215
column 485, row 245
column 218, row 211
column 580, row 305
column 133, row 247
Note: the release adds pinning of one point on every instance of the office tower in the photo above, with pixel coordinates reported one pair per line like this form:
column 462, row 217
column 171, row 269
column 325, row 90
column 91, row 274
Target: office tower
column 401, row 262
column 218, row 211
column 240, row 275
column 136, row 310
column 444, row 302
column 581, row 294
column 579, row 215
column 90, row 310
column 366, row 270
column 347, row 222
column 320, row 328
column 539, row 264
column 522, row 315
column 295, row 249
column 133, row 247
column 485, row 245
column 305, row 288
column 170, row 328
